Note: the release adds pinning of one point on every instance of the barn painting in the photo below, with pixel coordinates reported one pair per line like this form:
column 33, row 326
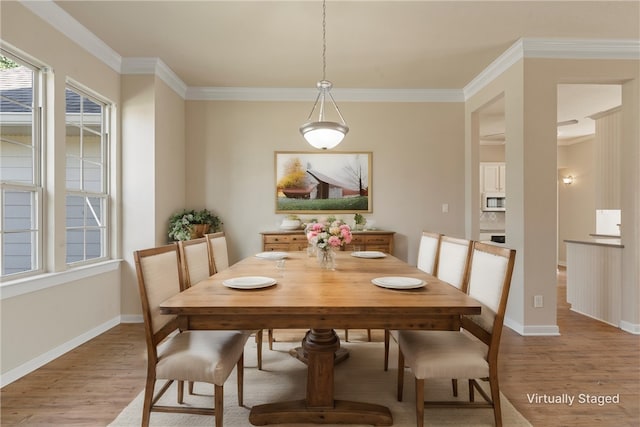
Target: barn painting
column 308, row 182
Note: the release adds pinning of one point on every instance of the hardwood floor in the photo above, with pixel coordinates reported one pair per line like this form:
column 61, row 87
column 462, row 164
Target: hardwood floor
column 90, row 385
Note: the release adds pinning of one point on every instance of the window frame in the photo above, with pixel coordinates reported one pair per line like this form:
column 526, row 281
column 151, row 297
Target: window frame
column 105, row 193
column 37, row 185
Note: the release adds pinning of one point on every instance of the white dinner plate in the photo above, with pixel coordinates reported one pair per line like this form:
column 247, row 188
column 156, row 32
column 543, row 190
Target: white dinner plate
column 368, row 254
column 272, row 255
column 249, row 282
column 393, row 282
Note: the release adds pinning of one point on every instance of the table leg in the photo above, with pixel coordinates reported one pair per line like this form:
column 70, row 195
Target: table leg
column 320, row 407
column 299, row 353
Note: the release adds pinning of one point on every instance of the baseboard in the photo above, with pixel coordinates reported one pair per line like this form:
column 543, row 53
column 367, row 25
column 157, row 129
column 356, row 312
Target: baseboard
column 131, row 318
column 532, row 330
column 632, row 328
column 43, row 359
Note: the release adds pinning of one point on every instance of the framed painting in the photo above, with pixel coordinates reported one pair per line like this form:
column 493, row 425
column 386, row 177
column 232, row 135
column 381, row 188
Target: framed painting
column 313, row 182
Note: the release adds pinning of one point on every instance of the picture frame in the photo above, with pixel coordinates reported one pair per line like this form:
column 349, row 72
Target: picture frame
column 323, row 182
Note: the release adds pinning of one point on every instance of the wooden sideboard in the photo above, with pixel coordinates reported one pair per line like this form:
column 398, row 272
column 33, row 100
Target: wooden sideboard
column 295, row 240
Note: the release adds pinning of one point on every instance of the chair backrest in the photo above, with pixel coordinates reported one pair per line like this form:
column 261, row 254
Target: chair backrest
column 453, row 261
column 489, row 282
column 159, row 277
column 428, row 252
column 218, row 247
column 196, row 261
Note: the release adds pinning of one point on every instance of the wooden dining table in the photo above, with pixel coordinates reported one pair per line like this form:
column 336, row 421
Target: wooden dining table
column 306, row 296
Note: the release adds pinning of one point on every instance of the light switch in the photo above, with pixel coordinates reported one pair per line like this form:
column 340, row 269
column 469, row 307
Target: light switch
column 445, row 207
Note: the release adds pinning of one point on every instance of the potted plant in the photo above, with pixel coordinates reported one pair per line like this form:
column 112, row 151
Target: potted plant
column 359, row 220
column 191, row 224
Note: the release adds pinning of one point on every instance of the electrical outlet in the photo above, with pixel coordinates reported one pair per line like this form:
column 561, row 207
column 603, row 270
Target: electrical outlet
column 537, row 301
column 445, row 207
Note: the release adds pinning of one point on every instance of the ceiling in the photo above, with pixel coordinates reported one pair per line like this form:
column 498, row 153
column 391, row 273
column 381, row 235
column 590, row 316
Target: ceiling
column 370, row 44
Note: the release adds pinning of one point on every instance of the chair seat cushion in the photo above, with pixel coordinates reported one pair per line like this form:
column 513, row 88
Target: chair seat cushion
column 443, row 354
column 203, row 356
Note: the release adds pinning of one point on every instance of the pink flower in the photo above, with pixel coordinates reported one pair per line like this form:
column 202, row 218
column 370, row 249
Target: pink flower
column 334, row 241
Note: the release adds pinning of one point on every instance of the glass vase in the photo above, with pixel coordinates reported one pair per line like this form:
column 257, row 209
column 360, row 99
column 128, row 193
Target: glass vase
column 327, row 259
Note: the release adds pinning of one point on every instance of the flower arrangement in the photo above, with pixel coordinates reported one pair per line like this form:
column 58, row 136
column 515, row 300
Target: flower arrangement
column 328, row 235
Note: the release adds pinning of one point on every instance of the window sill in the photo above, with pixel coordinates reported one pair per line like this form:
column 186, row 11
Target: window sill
column 37, row 283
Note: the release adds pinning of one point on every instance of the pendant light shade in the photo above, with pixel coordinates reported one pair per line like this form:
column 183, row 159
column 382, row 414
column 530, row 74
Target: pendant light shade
column 322, row 133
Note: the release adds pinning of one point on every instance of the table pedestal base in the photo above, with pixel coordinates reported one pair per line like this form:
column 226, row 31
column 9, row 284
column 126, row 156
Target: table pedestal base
column 342, row 412
column 340, row 355
column 318, row 351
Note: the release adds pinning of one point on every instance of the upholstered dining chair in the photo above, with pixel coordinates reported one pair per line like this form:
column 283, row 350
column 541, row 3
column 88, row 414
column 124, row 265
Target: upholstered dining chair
column 471, row 352
column 428, row 252
column 195, row 260
column 453, row 261
column 219, row 251
column 197, row 265
column 427, row 262
column 219, row 259
column 452, row 266
column 181, row 355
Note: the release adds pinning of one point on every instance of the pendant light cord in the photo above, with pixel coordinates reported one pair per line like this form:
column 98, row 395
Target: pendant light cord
column 324, row 40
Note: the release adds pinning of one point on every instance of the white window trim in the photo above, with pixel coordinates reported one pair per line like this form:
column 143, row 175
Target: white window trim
column 38, row 184
column 30, row 284
column 105, row 154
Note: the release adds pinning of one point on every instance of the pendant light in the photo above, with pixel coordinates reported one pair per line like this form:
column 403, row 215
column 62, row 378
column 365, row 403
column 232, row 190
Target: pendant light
column 322, row 133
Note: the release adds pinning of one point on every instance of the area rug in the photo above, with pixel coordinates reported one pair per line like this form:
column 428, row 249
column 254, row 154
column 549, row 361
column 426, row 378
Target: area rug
column 359, row 378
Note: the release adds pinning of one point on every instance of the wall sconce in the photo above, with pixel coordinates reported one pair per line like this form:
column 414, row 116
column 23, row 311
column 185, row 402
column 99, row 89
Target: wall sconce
column 567, row 180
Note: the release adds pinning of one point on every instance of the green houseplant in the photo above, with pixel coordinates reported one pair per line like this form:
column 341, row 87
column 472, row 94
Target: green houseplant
column 359, row 221
column 191, row 224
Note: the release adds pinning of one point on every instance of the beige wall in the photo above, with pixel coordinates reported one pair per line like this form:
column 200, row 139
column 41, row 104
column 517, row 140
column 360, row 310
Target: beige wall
column 44, row 322
column 418, row 164
column 153, row 170
column 530, row 90
column 219, row 155
column 576, row 202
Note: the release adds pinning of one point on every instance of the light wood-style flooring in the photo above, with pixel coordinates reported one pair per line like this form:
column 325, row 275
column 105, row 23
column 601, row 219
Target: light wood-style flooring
column 90, row 385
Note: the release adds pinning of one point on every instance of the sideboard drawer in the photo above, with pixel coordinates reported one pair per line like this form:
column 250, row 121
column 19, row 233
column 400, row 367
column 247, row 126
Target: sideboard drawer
column 289, row 241
column 277, row 238
column 280, row 247
column 376, row 240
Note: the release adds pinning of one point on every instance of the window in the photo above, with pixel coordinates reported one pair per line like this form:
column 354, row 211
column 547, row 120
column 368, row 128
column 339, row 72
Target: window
column 86, row 177
column 20, row 157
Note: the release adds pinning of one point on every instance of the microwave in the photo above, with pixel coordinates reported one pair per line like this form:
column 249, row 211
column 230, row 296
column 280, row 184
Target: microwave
column 493, row 202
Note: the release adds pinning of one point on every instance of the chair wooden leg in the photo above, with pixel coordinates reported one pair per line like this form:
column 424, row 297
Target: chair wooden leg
column 400, row 374
column 495, row 397
column 148, row 398
column 419, row 402
column 259, row 347
column 346, row 335
column 471, row 391
column 454, row 386
column 240, row 369
column 180, row 392
column 191, row 387
column 270, row 333
column 387, row 336
column 218, row 403
column 369, row 335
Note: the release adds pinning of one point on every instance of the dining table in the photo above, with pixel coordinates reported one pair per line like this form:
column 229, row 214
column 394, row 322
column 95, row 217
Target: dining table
column 365, row 290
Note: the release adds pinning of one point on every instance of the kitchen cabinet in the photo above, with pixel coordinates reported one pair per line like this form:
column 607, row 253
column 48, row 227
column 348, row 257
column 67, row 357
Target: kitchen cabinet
column 493, row 178
column 296, row 240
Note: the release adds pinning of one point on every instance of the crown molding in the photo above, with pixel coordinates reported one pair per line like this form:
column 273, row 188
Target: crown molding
column 522, row 48
column 501, row 64
column 53, row 14
column 305, row 94
column 581, row 48
column 553, row 49
column 157, row 67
